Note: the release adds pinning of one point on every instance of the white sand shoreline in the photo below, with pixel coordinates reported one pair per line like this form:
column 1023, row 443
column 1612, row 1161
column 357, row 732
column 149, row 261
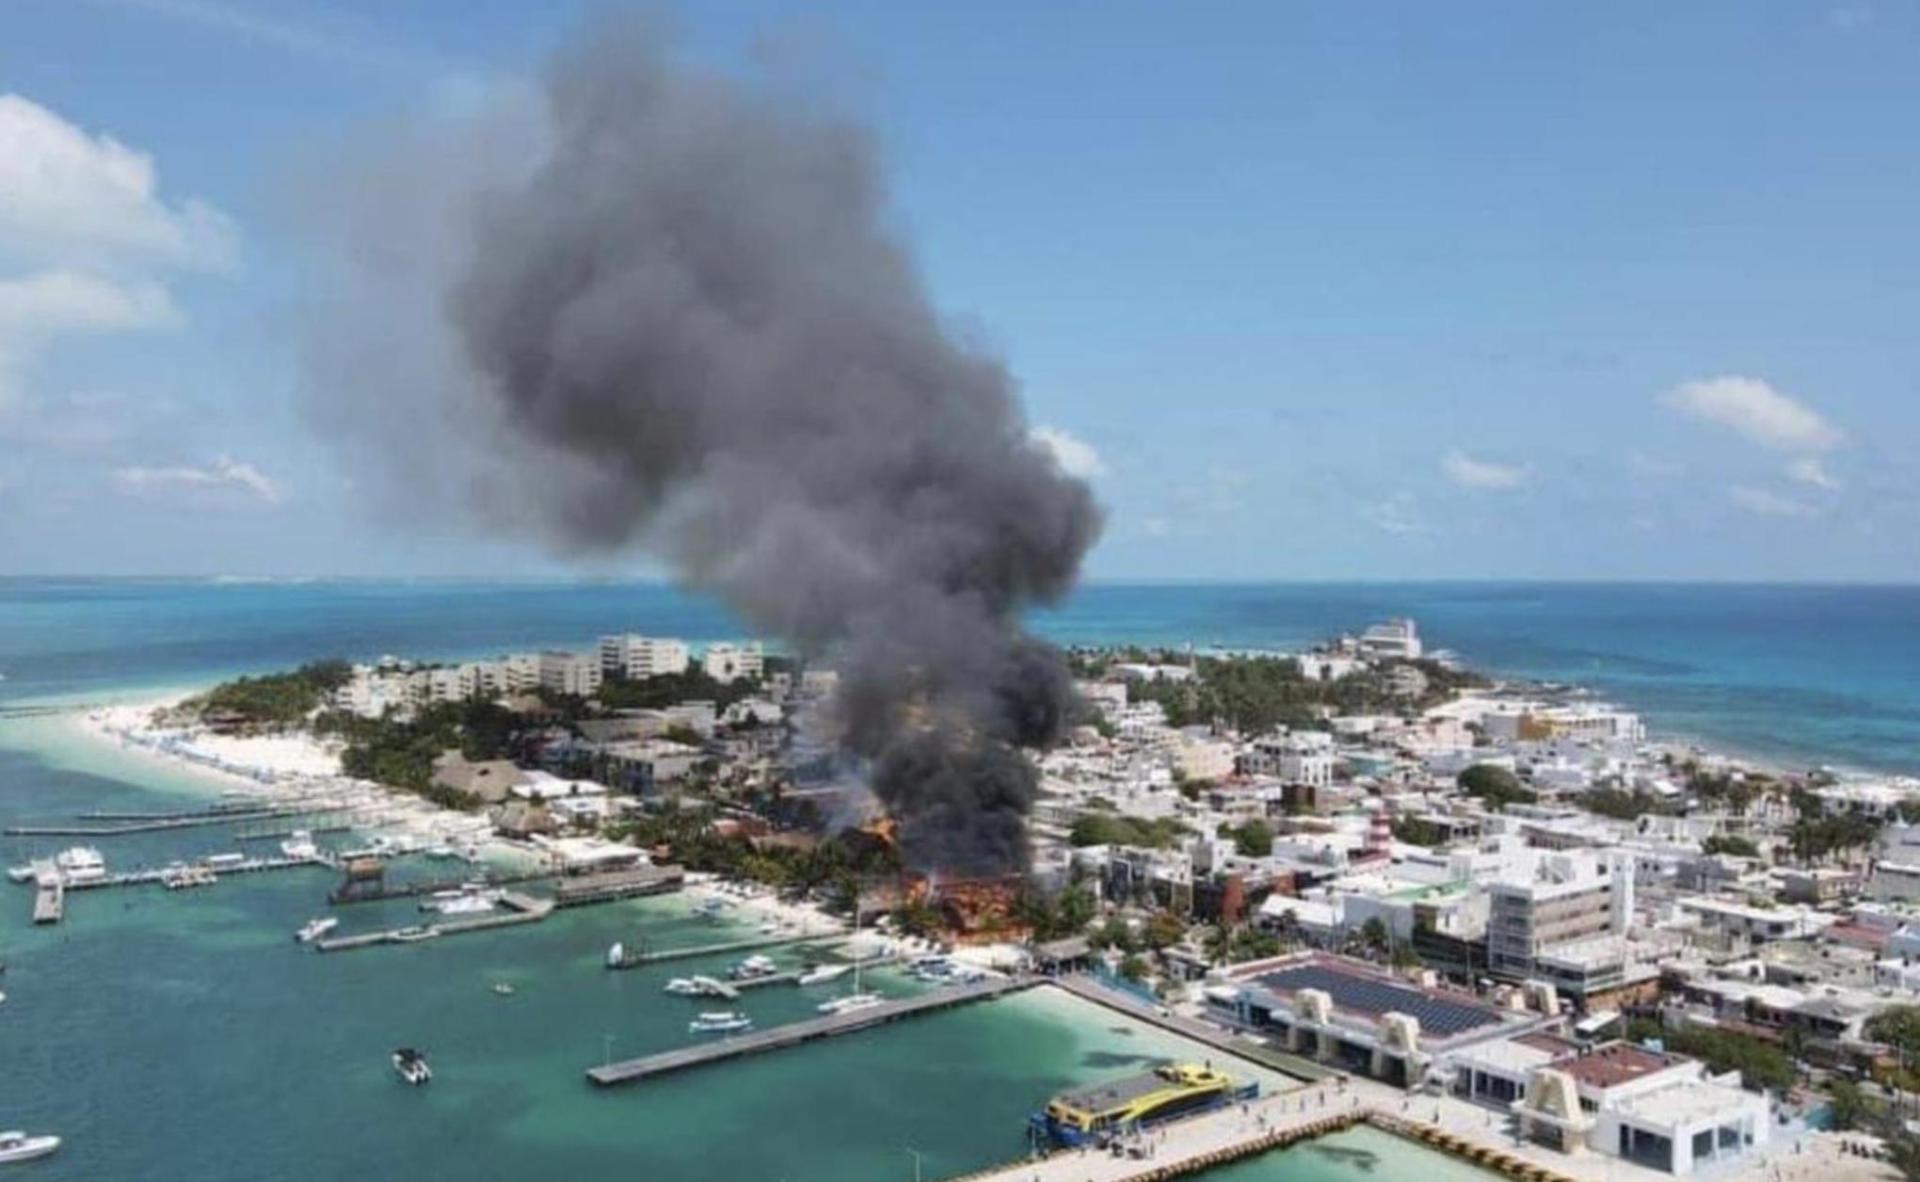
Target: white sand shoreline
column 291, row 769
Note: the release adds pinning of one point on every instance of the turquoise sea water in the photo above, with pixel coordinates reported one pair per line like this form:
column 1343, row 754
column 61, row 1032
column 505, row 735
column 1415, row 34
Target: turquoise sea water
column 1803, row 674
column 186, row 1036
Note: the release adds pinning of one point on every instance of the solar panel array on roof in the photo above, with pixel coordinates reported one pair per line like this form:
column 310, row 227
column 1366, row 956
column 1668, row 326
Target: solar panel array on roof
column 1437, row 1016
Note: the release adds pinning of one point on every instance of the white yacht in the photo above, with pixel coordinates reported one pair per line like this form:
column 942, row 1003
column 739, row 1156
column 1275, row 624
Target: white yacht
column 851, row 1003
column 752, row 968
column 18, row 1146
column 81, row 864
column 821, row 974
column 313, row 929
column 300, row 845
column 23, row 873
column 684, row 987
column 720, row 1022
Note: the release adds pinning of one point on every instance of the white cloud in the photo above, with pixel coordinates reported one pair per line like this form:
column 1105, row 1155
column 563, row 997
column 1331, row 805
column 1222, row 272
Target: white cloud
column 1766, row 502
column 1809, row 470
column 222, row 473
column 1156, row 527
column 1468, row 472
column 45, row 303
column 1075, row 456
column 1394, row 516
column 70, row 198
column 1754, row 409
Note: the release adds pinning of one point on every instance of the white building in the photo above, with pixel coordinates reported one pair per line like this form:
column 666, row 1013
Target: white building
column 577, row 674
column 1295, row 757
column 1546, row 900
column 521, row 672
column 637, row 657
column 731, row 662
column 1328, row 666
column 1395, row 639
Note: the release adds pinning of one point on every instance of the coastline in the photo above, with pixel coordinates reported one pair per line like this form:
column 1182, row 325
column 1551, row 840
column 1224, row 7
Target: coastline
column 275, row 771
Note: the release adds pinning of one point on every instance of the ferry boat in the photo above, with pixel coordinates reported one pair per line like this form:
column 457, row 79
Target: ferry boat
column 411, row 1065
column 753, row 968
column 821, row 974
column 18, row 1146
column 720, row 1022
column 852, row 1003
column 313, row 929
column 1095, row 1114
column 80, row 865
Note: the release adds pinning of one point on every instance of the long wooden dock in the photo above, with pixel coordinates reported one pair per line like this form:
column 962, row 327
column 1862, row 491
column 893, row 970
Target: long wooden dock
column 521, row 908
column 636, row 960
column 794, row 1034
column 150, row 875
column 411, row 890
column 191, row 821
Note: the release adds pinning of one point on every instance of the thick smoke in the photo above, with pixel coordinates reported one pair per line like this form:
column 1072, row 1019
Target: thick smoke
column 660, row 308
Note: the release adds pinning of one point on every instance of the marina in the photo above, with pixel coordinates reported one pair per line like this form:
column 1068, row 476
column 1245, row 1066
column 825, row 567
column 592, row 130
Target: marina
column 634, row 958
column 798, row 1033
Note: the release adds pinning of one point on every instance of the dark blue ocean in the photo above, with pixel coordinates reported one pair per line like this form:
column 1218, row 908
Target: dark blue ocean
column 1802, row 674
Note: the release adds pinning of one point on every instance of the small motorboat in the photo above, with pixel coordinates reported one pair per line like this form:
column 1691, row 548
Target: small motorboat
column 18, row 1146
column 313, row 929
column 684, row 987
column 753, row 968
column 411, row 1065
column 720, row 1022
column 413, row 935
column 502, row 989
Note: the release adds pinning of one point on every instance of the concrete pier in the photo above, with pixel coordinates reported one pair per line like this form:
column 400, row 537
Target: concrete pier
column 795, row 1033
column 189, row 821
column 49, row 903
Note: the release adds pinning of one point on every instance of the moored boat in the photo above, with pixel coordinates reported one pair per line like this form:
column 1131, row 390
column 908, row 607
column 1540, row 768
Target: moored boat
column 720, row 1022
column 1092, row 1115
column 313, row 929
column 821, row 974
column 850, row 1004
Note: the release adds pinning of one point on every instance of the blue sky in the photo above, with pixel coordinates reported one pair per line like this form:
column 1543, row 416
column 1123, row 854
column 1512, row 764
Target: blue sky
column 1313, row 290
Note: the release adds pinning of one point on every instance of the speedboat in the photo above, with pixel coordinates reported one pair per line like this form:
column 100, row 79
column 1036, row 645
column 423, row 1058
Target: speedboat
column 616, row 954
column 753, row 968
column 17, row 1146
column 411, row 1065
column 851, row 1003
column 720, row 1022
column 503, row 989
column 21, row 873
column 313, row 929
column 821, row 974
column 684, row 987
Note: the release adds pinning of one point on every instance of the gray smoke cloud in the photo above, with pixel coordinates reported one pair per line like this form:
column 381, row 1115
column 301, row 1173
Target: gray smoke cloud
column 651, row 307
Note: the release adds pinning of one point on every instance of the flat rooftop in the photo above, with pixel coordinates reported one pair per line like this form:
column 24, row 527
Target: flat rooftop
column 1614, row 1064
column 1357, row 989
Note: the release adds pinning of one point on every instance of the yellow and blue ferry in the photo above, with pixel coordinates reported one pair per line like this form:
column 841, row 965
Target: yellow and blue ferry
column 1137, row 1102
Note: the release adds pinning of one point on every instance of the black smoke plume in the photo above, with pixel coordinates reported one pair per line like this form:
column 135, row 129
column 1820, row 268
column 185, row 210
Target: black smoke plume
column 654, row 307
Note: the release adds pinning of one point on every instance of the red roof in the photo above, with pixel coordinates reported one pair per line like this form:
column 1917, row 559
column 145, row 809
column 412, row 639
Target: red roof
column 1614, row 1064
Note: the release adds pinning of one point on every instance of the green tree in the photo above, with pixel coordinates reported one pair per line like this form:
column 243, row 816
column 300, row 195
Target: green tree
column 1254, row 839
column 1495, row 785
column 1731, row 844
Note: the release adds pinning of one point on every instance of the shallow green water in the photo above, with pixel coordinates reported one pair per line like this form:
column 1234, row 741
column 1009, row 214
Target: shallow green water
column 185, row 1035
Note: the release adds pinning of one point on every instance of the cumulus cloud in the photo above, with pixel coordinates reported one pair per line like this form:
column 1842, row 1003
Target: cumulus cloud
column 68, row 197
column 1755, row 410
column 85, row 239
column 1766, row 502
column 1809, row 470
column 1074, row 455
column 223, row 473
column 1469, row 472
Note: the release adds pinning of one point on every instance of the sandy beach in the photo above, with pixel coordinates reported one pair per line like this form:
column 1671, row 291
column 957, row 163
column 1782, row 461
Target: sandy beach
column 282, row 769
